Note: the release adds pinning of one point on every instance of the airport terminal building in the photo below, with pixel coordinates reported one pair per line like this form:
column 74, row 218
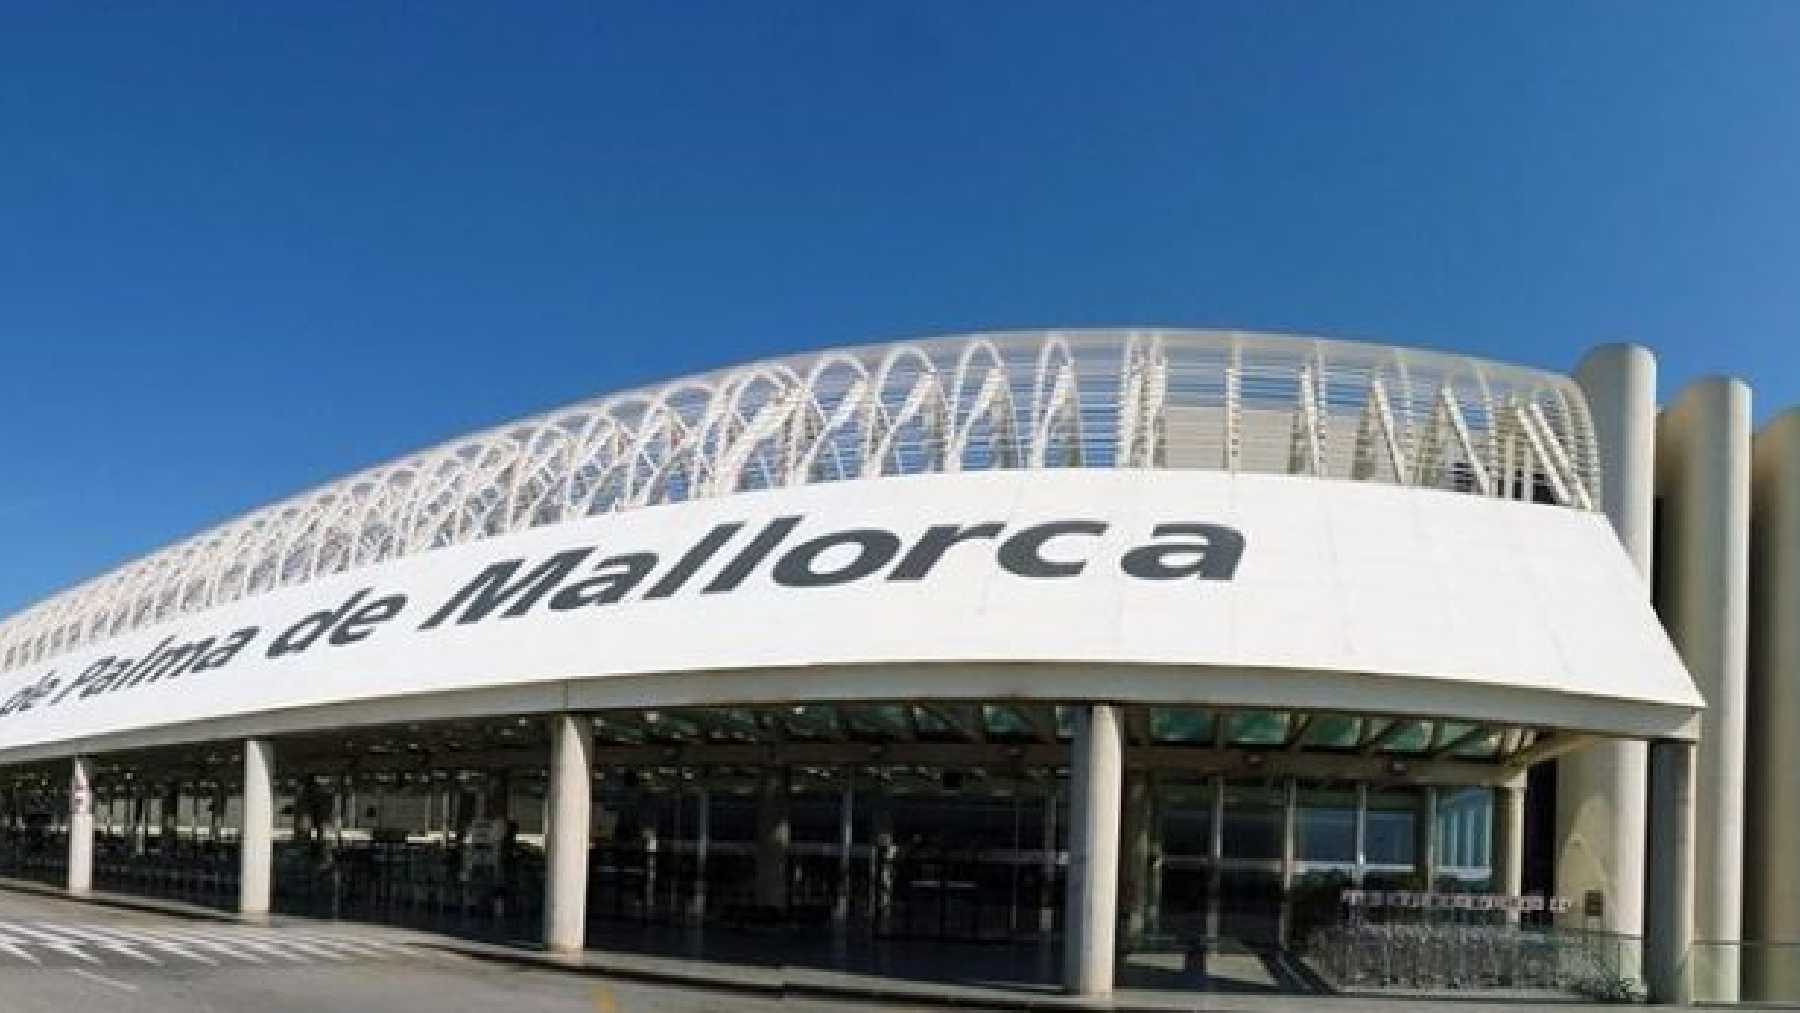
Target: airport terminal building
column 1098, row 643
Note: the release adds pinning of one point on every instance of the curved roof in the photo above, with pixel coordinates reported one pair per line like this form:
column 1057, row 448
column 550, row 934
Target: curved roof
column 1212, row 400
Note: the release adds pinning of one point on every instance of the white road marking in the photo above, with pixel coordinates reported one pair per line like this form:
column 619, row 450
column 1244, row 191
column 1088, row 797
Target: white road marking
column 103, row 979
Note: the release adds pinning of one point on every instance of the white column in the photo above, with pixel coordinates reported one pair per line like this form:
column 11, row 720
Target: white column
column 81, row 826
column 568, row 819
column 1703, row 475
column 1096, row 783
column 1669, row 894
column 1600, row 790
column 1772, row 805
column 256, row 844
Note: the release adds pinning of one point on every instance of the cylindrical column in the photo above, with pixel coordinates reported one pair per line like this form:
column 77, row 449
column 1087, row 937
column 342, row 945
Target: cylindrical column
column 569, row 819
column 1425, row 839
column 1669, row 893
column 772, row 834
column 1771, row 830
column 1600, row 790
column 81, row 826
column 1703, row 596
column 1096, row 785
column 256, row 844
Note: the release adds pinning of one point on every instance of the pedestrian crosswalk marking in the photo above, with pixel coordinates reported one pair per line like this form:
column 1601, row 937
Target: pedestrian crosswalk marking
column 44, row 943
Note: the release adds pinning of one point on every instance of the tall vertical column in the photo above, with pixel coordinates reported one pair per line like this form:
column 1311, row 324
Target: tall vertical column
column 1669, row 893
column 256, row 844
column 1509, row 839
column 773, row 831
column 81, row 826
column 1096, row 783
column 1703, row 596
column 1772, row 802
column 1425, row 839
column 569, row 819
column 1600, row 790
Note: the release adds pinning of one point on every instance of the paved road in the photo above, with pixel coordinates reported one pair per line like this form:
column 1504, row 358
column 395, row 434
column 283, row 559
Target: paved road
column 57, row 956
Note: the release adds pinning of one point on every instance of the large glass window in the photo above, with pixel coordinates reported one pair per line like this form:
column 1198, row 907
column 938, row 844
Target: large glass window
column 1393, row 814
column 1326, row 824
column 1253, row 819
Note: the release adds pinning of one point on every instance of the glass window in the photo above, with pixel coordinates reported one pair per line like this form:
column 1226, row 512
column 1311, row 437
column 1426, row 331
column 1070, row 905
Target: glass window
column 1326, row 825
column 1392, row 815
column 1253, row 824
column 1187, row 819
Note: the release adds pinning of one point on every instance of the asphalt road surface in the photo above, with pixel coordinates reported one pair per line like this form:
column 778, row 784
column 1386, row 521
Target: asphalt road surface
column 59, row 956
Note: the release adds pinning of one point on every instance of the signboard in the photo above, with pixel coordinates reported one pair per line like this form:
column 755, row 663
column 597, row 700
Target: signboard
column 1202, row 570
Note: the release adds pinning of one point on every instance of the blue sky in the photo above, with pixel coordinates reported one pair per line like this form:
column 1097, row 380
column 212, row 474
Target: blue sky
column 243, row 251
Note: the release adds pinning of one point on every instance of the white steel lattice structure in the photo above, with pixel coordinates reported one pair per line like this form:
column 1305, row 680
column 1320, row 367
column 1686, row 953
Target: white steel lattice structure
column 1101, row 399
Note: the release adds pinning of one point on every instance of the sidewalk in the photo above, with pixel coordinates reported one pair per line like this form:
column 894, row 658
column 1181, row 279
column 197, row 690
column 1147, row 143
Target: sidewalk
column 974, row 976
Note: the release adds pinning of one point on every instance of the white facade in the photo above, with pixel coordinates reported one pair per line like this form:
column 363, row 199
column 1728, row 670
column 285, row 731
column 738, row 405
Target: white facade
column 1113, row 521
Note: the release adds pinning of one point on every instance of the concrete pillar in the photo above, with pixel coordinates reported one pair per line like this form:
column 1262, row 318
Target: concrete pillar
column 568, row 818
column 1703, row 596
column 1509, row 839
column 256, row 843
column 1772, row 791
column 1425, row 839
column 1601, row 789
column 1135, row 868
column 1096, row 782
column 81, row 826
column 773, row 831
column 1669, row 887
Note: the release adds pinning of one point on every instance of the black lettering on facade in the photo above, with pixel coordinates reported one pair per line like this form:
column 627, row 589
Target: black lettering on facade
column 170, row 663
column 221, row 655
column 748, row 560
column 363, row 621
column 616, row 577
column 307, row 631
column 691, row 562
column 1210, row 552
column 1022, row 554
column 936, row 541
column 874, row 548
column 490, row 589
